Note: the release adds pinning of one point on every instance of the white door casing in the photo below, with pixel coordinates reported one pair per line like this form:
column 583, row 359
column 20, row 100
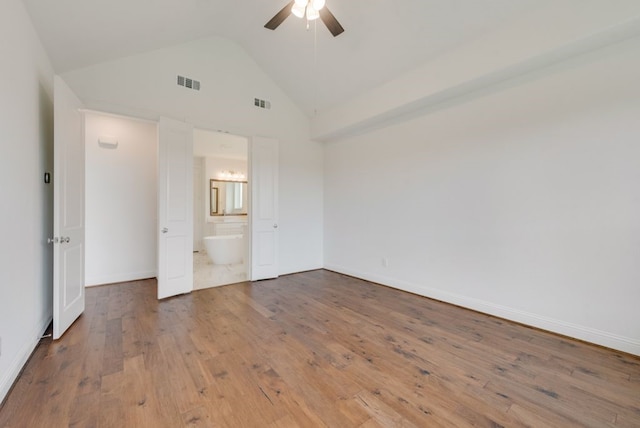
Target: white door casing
column 175, row 208
column 198, row 203
column 263, row 167
column 68, row 206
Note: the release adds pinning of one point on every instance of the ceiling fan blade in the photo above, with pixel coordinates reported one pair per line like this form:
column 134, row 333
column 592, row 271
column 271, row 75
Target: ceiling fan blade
column 279, row 17
column 331, row 22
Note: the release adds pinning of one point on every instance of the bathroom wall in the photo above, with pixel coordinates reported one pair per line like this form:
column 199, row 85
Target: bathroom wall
column 203, row 220
column 121, row 200
column 214, row 167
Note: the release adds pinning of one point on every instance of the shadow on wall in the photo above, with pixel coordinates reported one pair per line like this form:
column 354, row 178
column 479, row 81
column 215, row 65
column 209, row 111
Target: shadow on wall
column 46, row 148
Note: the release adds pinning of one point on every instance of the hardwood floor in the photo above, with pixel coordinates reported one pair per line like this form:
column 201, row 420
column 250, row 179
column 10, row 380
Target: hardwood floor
column 313, row 349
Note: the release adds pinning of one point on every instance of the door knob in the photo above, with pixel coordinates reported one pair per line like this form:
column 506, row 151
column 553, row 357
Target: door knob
column 275, row 226
column 63, row 240
column 53, row 240
column 165, row 230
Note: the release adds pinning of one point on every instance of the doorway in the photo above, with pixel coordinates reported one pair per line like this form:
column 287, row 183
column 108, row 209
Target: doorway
column 221, row 243
column 129, row 179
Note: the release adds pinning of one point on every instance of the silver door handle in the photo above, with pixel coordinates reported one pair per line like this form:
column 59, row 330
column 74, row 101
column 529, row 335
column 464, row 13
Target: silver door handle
column 275, row 226
column 53, row 240
column 165, row 230
column 63, row 240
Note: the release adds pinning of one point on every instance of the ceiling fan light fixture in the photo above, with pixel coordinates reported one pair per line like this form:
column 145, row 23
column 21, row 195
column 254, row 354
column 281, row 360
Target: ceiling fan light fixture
column 311, row 10
column 318, row 4
column 298, row 10
column 312, row 13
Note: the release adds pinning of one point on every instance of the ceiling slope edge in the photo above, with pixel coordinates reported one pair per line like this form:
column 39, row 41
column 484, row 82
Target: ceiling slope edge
column 441, row 84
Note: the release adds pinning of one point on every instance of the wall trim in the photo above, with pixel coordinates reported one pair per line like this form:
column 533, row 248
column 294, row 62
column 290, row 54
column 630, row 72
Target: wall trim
column 121, row 277
column 587, row 334
column 21, row 358
column 303, row 268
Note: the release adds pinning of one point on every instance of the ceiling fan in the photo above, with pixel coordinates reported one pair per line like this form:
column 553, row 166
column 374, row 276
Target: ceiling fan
column 312, row 9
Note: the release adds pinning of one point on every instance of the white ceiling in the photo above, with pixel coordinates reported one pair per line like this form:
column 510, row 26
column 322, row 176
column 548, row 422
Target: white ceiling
column 382, row 38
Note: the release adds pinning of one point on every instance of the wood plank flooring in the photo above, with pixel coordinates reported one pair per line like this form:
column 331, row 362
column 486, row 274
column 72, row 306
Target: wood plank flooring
column 313, row 349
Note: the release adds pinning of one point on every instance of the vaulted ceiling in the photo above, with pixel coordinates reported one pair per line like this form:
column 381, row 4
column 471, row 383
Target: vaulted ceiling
column 382, row 38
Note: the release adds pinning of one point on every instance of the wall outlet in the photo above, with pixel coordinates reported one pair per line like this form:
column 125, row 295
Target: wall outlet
column 385, row 262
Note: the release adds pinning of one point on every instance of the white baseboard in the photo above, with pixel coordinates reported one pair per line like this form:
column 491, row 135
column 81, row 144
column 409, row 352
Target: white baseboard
column 9, row 377
column 587, row 334
column 120, row 277
column 300, row 269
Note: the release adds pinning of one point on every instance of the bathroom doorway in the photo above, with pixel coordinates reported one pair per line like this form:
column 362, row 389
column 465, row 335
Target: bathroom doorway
column 220, row 209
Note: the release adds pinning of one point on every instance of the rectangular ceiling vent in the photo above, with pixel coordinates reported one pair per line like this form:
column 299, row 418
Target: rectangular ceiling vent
column 187, row 82
column 261, row 103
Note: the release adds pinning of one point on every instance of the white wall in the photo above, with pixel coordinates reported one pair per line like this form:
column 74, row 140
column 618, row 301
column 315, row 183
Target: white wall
column 522, row 202
column 121, row 200
column 26, row 144
column 145, row 86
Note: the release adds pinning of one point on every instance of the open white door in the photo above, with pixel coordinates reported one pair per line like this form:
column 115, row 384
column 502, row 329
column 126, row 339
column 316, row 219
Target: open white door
column 263, row 166
column 175, row 208
column 68, row 208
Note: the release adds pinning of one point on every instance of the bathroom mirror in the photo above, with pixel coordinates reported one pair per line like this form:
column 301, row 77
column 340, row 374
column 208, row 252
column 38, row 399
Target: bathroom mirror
column 228, row 197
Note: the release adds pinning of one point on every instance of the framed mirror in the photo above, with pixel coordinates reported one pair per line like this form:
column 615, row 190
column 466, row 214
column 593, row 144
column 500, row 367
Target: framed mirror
column 227, row 197
column 214, row 200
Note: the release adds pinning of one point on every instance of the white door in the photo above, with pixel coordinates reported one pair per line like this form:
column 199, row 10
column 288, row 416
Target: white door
column 175, row 208
column 263, row 165
column 198, row 203
column 68, row 208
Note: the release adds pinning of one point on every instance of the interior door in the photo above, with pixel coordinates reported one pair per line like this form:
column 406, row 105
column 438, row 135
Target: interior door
column 263, row 161
column 68, row 206
column 198, row 203
column 175, row 208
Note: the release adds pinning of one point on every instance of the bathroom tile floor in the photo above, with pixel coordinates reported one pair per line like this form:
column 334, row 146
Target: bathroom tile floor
column 206, row 274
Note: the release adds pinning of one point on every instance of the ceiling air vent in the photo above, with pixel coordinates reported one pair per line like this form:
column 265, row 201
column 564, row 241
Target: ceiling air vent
column 187, row 82
column 261, row 103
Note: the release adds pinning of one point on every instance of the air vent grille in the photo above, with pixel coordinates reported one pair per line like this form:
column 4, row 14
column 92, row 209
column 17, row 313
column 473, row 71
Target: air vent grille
column 262, row 103
column 188, row 82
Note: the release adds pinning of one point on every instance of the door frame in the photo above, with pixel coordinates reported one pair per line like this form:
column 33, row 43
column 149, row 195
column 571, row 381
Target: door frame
column 175, row 222
column 69, row 203
column 250, row 240
column 264, row 174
